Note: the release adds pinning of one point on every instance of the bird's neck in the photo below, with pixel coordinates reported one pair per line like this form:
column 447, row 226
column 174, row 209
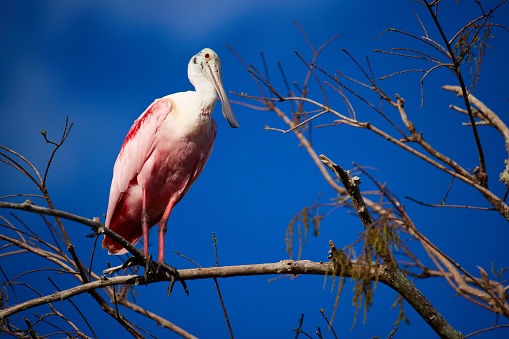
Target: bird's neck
column 206, row 97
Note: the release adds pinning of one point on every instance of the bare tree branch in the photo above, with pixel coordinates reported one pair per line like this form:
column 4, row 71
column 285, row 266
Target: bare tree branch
column 283, row 267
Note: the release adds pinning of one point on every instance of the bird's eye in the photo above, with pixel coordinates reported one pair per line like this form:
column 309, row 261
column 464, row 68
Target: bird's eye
column 207, row 56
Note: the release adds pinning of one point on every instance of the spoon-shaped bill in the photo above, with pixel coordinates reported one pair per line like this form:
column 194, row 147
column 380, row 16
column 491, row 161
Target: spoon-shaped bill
column 214, row 68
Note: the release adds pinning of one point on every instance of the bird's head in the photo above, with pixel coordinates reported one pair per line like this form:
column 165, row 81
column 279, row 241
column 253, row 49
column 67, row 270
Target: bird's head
column 206, row 66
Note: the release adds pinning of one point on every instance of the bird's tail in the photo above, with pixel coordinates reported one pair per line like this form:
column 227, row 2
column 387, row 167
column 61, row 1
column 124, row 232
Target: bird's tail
column 129, row 230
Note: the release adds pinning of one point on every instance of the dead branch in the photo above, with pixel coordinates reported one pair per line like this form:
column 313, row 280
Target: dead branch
column 288, row 267
column 489, row 116
column 398, row 280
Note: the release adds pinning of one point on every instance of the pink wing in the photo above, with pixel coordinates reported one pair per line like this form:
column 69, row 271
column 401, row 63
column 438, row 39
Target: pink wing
column 139, row 151
column 136, row 149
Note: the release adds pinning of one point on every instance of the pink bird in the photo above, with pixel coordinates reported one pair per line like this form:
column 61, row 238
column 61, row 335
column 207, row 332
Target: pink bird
column 163, row 154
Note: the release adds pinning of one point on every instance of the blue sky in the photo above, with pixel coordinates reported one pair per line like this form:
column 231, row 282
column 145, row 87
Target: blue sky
column 102, row 63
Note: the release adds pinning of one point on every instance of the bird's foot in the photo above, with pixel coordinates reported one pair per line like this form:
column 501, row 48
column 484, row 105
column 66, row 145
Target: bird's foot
column 146, row 262
column 165, row 271
column 158, row 270
column 132, row 261
column 149, row 264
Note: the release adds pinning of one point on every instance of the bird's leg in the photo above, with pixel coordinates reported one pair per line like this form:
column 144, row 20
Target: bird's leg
column 144, row 221
column 163, row 226
column 167, row 271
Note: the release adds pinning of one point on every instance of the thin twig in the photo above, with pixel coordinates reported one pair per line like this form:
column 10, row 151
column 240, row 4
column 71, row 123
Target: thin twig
column 442, row 205
column 216, row 283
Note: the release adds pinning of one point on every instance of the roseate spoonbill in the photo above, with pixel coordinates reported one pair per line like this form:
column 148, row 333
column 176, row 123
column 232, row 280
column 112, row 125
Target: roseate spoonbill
column 163, row 154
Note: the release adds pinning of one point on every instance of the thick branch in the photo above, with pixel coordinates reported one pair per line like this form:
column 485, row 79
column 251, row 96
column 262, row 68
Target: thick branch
column 394, row 276
column 282, row 267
